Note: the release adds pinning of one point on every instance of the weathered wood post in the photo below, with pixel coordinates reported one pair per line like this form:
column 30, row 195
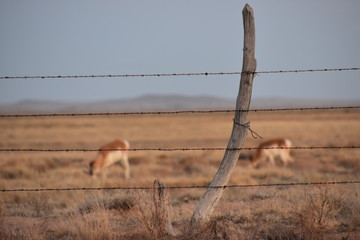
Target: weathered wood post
column 161, row 206
column 212, row 195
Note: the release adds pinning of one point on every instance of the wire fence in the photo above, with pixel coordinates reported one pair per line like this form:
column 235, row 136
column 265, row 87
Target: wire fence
column 179, row 112
column 178, row 74
column 183, row 187
column 179, row 149
column 175, row 112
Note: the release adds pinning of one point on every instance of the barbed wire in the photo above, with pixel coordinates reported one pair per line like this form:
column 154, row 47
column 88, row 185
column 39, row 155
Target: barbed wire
column 179, row 149
column 182, row 187
column 174, row 112
column 308, row 70
column 177, row 74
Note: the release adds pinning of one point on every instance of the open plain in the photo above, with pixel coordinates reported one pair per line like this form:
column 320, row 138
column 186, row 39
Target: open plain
column 283, row 212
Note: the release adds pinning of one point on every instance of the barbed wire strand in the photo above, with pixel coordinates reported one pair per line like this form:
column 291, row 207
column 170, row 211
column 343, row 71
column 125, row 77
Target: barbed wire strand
column 174, row 112
column 179, row 149
column 308, row 70
column 178, row 74
column 182, row 187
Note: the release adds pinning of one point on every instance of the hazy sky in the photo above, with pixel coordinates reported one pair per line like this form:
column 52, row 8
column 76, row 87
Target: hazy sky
column 84, row 37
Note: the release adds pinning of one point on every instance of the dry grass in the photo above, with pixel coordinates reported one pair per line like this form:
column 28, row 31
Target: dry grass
column 326, row 212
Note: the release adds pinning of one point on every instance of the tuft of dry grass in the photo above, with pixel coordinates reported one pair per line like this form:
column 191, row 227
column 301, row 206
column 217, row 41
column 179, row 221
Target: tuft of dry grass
column 154, row 214
column 118, row 202
column 93, row 226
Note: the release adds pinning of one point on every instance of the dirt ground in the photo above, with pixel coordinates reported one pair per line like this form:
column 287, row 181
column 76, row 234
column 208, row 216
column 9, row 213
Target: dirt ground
column 308, row 212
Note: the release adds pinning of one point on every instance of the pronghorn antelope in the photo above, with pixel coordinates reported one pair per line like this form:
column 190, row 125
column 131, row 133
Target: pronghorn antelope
column 106, row 158
column 263, row 153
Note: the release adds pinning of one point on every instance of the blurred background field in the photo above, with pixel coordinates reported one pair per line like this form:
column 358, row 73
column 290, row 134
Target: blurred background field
column 253, row 213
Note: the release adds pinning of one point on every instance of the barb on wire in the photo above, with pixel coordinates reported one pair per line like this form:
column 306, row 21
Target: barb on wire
column 178, row 149
column 177, row 74
column 174, row 112
column 182, row 187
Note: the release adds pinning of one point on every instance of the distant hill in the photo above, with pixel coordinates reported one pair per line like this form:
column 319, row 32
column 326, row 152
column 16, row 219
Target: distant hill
column 159, row 103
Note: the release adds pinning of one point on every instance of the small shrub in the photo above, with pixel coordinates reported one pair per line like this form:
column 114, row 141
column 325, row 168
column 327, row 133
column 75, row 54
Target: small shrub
column 30, row 205
column 119, row 202
column 318, row 213
column 25, row 229
column 259, row 195
column 15, row 172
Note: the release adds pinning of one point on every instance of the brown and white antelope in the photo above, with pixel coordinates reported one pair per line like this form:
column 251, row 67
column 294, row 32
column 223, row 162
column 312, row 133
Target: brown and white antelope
column 106, row 158
column 276, row 151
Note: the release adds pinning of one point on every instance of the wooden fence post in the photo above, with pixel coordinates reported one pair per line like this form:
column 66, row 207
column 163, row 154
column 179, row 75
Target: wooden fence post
column 212, row 195
column 161, row 206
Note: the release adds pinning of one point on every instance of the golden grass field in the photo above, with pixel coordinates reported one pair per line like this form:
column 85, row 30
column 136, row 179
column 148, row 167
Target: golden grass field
column 301, row 212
